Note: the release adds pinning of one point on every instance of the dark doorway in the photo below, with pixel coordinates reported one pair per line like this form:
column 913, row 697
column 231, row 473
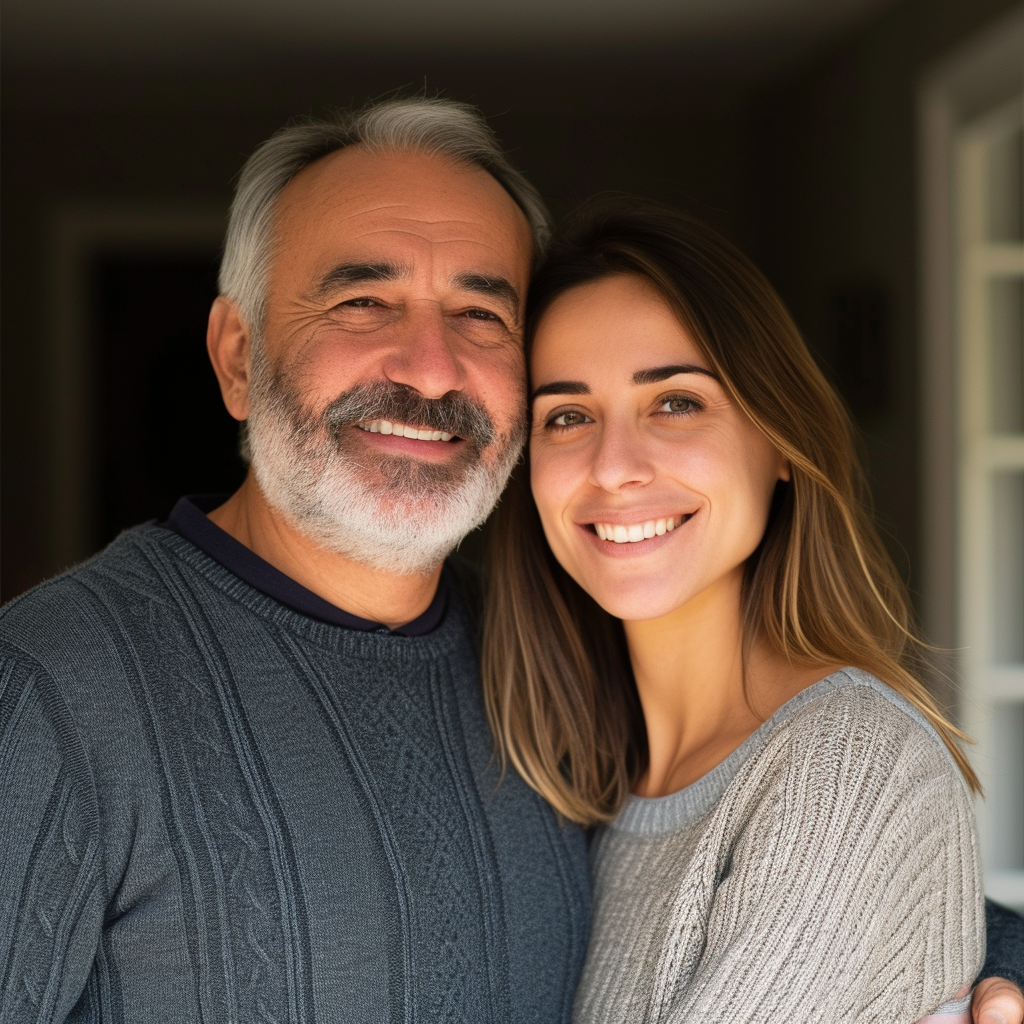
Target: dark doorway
column 162, row 430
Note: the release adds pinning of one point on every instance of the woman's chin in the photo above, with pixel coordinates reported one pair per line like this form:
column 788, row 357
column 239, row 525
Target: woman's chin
column 637, row 604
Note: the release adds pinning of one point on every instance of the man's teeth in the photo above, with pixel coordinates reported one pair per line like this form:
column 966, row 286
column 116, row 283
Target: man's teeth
column 405, row 430
column 638, row 531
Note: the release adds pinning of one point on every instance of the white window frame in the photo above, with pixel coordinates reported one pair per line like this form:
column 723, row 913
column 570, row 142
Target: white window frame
column 960, row 454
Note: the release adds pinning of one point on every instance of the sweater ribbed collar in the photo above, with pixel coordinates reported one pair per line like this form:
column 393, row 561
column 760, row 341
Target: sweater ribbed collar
column 658, row 815
column 452, row 638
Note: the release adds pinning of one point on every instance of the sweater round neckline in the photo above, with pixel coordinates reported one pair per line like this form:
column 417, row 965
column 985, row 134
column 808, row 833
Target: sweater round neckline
column 655, row 815
column 444, row 640
column 190, row 519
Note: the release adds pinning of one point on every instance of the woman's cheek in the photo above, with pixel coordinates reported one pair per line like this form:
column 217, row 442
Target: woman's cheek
column 554, row 484
column 544, row 483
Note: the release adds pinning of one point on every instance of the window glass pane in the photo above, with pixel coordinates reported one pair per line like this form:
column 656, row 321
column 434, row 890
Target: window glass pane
column 1005, row 170
column 1007, row 561
column 1004, row 789
column 1006, row 331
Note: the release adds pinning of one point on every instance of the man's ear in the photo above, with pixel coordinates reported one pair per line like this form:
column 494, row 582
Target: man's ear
column 229, row 344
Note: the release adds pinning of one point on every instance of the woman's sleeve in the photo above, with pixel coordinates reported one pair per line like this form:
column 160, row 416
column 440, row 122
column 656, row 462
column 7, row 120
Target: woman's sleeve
column 852, row 890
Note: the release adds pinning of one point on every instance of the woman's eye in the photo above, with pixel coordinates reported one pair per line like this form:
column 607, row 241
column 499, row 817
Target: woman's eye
column 679, row 404
column 569, row 419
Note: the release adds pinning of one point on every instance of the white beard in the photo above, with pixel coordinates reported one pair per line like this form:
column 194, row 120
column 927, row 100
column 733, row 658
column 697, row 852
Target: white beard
column 399, row 516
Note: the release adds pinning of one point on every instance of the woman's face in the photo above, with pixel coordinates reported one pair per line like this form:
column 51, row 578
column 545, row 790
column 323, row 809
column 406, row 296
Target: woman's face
column 652, row 486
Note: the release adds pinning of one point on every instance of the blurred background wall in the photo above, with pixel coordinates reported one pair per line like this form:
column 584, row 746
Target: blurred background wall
column 790, row 125
column 794, row 126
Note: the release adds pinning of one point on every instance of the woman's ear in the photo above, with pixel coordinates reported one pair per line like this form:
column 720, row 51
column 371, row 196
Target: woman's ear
column 785, row 472
column 229, row 345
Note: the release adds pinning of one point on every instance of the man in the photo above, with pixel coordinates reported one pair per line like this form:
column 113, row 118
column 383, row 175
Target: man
column 246, row 770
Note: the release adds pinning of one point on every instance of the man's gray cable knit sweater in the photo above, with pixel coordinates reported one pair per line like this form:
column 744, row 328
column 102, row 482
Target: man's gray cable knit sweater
column 826, row 871
column 214, row 808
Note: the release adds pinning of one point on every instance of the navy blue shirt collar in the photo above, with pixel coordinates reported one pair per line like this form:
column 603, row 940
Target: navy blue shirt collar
column 189, row 519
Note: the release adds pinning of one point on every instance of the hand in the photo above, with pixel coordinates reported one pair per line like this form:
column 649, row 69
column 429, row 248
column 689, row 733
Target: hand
column 997, row 1001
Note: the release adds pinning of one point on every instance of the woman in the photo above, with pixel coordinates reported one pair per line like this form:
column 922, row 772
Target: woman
column 696, row 640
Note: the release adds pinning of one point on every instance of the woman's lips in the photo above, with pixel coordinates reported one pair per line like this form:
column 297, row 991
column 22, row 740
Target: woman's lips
column 633, row 537
column 634, row 533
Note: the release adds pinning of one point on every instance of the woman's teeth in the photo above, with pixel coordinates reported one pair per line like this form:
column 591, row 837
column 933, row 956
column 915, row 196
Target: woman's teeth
column 638, row 531
column 404, row 430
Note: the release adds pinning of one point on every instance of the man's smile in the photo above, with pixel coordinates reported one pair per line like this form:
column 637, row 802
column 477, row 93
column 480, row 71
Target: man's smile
column 405, row 430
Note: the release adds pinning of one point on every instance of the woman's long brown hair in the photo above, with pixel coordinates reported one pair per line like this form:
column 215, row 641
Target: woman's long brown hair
column 820, row 589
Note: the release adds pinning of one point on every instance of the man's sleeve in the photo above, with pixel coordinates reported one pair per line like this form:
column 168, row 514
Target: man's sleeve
column 51, row 881
column 1005, row 957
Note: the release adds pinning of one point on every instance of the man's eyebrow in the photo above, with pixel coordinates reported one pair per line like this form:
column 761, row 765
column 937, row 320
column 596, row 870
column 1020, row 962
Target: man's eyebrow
column 562, row 387
column 357, row 273
column 495, row 287
column 656, row 374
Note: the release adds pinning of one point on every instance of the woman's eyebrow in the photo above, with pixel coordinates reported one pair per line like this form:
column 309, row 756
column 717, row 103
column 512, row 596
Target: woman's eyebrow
column 562, row 387
column 656, row 374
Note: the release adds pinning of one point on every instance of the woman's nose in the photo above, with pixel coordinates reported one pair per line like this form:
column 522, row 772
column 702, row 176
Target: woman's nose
column 621, row 460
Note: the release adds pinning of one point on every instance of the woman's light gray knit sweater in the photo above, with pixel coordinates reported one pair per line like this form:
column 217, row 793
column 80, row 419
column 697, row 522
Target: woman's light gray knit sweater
column 827, row 870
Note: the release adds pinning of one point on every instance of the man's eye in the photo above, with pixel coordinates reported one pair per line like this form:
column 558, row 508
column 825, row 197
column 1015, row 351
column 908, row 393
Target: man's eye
column 481, row 314
column 361, row 303
column 679, row 404
column 569, row 419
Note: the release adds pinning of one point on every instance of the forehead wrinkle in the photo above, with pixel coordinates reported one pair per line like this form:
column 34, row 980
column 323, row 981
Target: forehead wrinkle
column 402, row 229
column 383, row 237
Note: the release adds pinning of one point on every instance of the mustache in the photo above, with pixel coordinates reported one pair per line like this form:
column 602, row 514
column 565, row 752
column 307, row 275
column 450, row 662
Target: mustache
column 453, row 413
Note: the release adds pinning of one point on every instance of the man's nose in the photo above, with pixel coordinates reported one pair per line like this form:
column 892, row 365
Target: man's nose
column 425, row 353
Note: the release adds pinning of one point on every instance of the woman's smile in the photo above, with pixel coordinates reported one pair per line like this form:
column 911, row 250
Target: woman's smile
column 625, row 535
column 637, row 533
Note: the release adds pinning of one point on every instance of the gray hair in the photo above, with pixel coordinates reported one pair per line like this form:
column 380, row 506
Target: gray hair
column 435, row 126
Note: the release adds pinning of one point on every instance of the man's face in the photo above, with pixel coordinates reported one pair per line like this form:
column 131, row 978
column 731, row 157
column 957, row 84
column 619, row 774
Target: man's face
column 386, row 404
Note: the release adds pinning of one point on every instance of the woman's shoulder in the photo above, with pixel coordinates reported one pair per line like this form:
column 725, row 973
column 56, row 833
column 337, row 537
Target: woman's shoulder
column 850, row 733
column 849, row 837
column 856, row 774
column 853, row 707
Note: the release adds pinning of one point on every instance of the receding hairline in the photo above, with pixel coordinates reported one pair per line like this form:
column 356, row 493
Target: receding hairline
column 387, row 154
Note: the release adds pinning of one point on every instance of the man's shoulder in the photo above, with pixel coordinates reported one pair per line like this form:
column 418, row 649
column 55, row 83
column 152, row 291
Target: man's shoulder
column 83, row 604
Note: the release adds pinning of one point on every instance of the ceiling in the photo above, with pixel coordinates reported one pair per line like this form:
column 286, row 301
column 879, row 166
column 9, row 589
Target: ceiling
column 208, row 31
